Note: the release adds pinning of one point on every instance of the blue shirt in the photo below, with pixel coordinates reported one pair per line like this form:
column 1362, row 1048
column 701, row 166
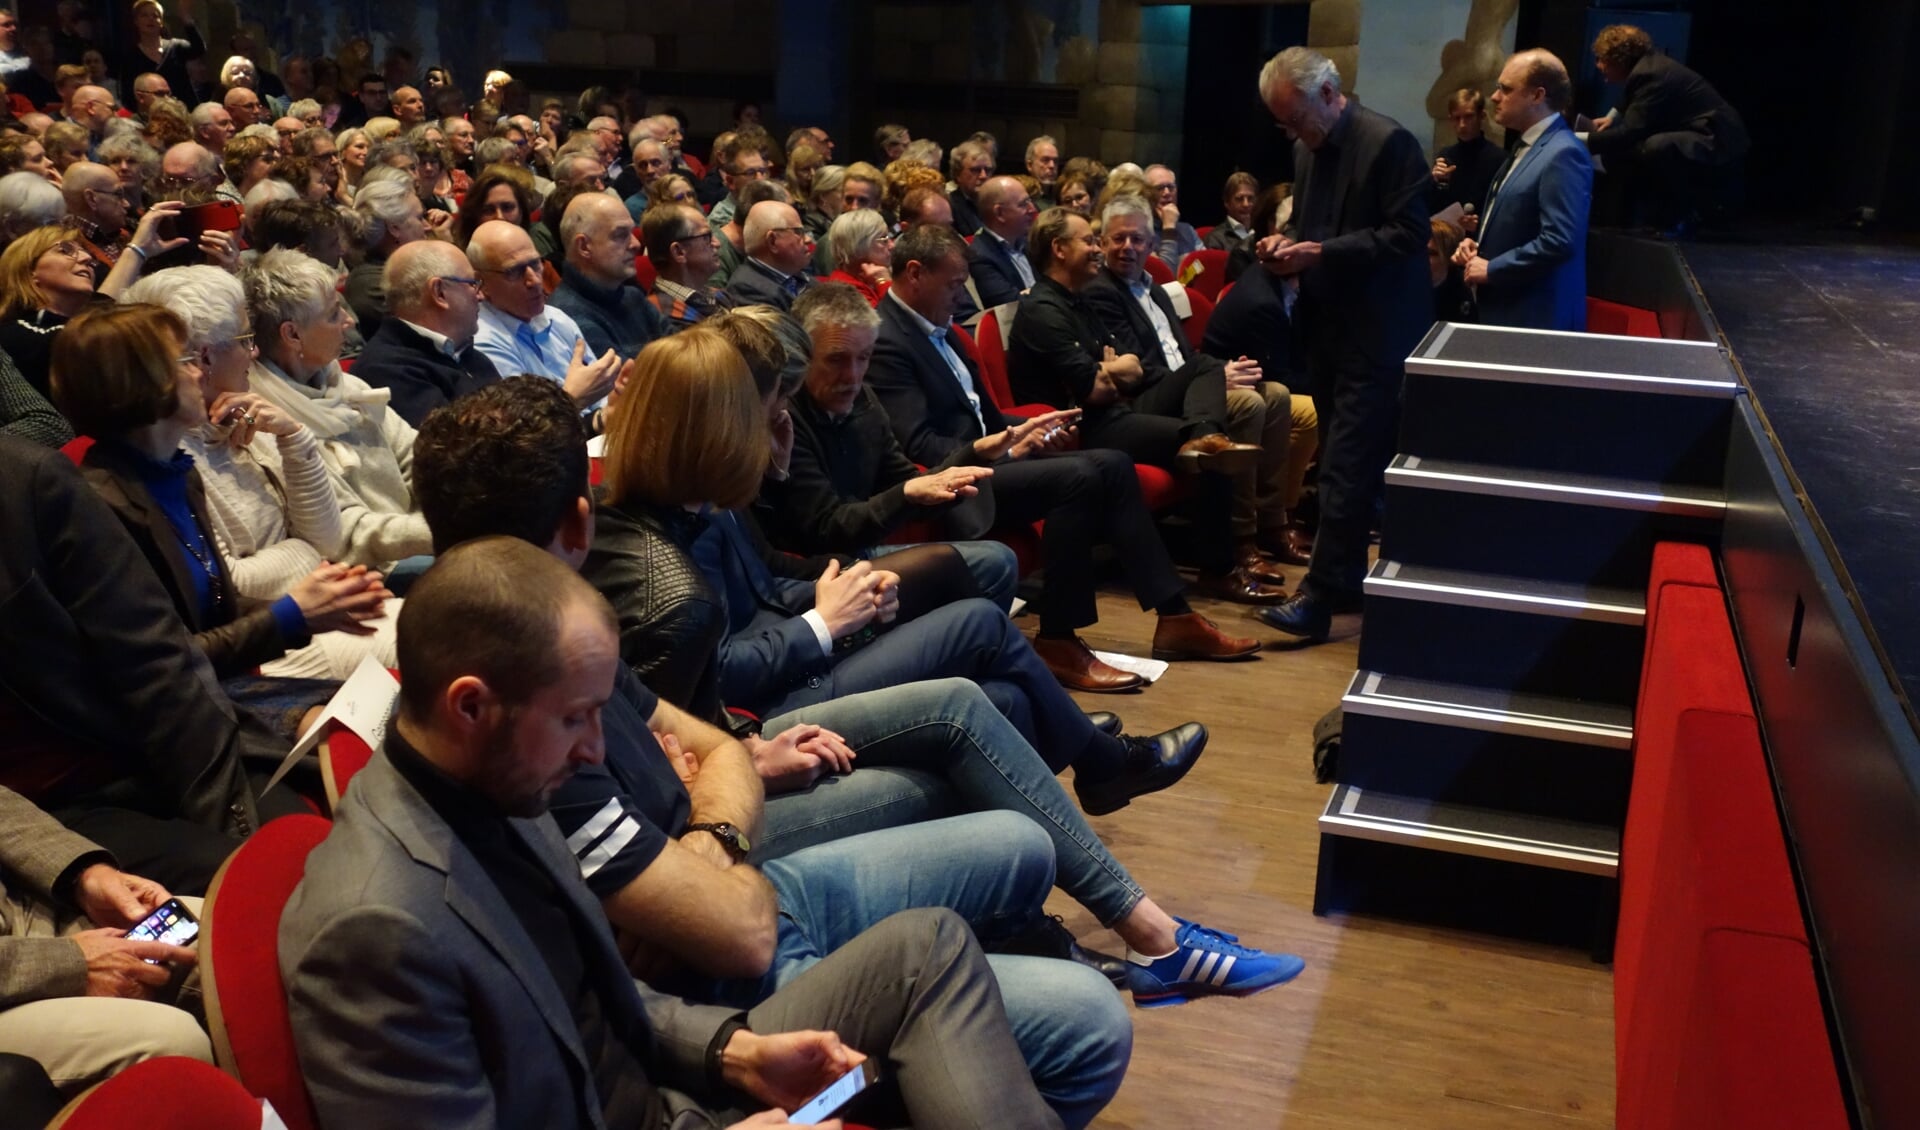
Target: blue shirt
column 542, row 347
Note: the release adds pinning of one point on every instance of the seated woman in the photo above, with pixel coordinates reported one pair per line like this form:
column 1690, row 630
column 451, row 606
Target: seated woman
column 862, row 250
column 299, row 321
column 498, row 193
column 274, row 515
column 123, row 376
column 353, row 147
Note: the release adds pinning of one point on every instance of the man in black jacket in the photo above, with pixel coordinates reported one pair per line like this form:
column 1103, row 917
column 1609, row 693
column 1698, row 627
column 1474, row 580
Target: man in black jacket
column 997, row 257
column 933, row 398
column 1672, row 133
column 1359, row 251
column 777, row 255
column 423, row 351
column 600, row 244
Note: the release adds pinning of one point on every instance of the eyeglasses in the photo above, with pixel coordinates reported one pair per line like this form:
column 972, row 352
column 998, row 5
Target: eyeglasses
column 69, row 249
column 709, row 236
column 474, row 283
column 796, row 230
column 521, row 268
column 244, row 341
column 754, row 172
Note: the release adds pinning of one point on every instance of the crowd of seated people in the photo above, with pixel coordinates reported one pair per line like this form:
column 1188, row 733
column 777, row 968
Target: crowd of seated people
column 657, row 730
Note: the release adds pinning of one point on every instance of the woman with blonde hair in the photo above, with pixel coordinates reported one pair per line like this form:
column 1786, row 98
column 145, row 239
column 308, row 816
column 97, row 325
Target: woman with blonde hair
column 153, row 50
column 353, row 146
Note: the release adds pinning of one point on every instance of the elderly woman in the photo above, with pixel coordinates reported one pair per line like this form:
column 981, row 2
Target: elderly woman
column 272, row 509
column 247, row 161
column 862, row 253
column 672, row 189
column 169, row 123
column 394, row 218
column 299, row 321
column 133, row 161
column 28, row 201
column 124, row 376
column 824, row 201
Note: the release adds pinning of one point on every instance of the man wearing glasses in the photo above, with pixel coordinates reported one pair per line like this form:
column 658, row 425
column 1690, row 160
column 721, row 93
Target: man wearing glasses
column 98, row 206
column 778, row 251
column 740, row 165
column 424, row 349
column 685, row 253
column 519, row 333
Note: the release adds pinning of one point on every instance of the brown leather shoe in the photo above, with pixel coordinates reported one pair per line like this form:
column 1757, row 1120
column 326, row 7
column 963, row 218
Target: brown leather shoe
column 1193, row 636
column 1236, row 586
column 1077, row 669
column 1218, row 453
column 1257, row 565
column 1290, row 545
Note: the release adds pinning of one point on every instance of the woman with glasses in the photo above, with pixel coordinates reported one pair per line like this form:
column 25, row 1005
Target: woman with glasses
column 862, row 251
column 269, row 502
column 672, row 189
column 124, row 376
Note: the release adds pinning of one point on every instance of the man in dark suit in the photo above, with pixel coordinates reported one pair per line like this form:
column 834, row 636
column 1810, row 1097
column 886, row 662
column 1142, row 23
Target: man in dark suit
column 423, row 350
column 1673, row 134
column 997, row 257
column 1357, row 242
column 970, row 165
column 444, row 959
column 1529, row 267
column 778, row 251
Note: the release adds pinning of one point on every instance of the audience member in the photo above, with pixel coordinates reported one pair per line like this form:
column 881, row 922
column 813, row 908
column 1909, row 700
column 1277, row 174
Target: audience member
column 423, row 354
column 1464, row 171
column 148, row 87
column 409, row 107
column 65, row 144
column 685, row 253
column 303, row 225
column 520, row 333
column 600, row 248
column 247, row 161
column 862, row 251
column 352, row 146
column 97, row 205
column 1043, row 165
column 890, row 141
column 28, row 202
column 1673, row 135
column 169, row 123
column 498, row 194
column 213, row 126
column 777, row 255
column 739, row 162
column 823, row 203
column 160, row 54
column 970, row 166
column 1238, row 197
column 243, row 106
column 47, row 276
column 26, row 413
column 1452, row 300
column 997, row 257
column 1074, row 194
column 1356, row 247
column 26, row 153
column 393, row 218
column 1177, row 237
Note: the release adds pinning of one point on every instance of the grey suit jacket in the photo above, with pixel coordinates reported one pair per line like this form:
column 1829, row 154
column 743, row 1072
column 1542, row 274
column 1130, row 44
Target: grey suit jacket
column 418, row 1000
column 36, row 963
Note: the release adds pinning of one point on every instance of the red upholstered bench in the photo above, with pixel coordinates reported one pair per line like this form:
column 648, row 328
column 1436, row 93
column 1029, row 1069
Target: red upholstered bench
column 1717, row 1016
column 1605, row 317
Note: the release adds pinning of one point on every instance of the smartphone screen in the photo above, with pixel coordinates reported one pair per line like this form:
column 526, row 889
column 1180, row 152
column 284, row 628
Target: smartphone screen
column 820, row 1107
column 173, row 924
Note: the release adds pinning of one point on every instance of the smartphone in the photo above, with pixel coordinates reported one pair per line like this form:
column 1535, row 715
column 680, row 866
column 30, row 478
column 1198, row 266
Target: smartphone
column 173, row 924
column 216, row 215
column 839, row 1093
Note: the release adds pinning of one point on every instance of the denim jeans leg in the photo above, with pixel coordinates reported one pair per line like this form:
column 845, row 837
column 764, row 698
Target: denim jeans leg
column 1072, row 1028
column 835, row 807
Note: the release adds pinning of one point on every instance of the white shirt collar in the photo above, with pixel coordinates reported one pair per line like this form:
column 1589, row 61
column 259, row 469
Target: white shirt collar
column 926, row 327
column 1536, row 129
column 440, row 341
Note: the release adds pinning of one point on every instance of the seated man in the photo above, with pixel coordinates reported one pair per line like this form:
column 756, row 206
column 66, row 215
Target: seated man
column 1260, row 412
column 445, row 962
column 997, row 257
column 970, row 165
column 850, row 471
column 423, row 351
column 520, row 334
column 599, row 246
column 81, row 998
column 684, row 252
column 1176, row 237
column 394, row 218
column 777, row 256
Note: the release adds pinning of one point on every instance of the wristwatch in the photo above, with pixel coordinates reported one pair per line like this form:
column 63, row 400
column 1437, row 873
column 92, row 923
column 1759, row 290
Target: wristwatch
column 730, row 837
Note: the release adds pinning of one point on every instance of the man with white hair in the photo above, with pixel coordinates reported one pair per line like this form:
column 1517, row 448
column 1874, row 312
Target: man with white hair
column 394, row 219
column 1043, row 165
column 460, row 143
column 520, row 333
column 600, row 245
column 1177, row 237
column 651, row 161
column 970, row 165
column 1358, row 249
column 605, row 133
column 423, row 351
column 778, row 251
column 213, row 126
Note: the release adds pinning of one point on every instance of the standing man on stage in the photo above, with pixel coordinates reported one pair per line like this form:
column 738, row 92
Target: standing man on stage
column 1358, row 247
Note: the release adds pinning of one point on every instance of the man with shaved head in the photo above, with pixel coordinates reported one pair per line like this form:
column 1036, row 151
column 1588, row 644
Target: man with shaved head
column 213, row 125
column 409, row 107
column 288, row 129
column 189, row 172
column 146, row 88
column 600, row 244
column 519, row 333
column 777, row 253
column 98, row 207
column 91, row 107
column 245, row 107
column 997, row 257
column 423, row 350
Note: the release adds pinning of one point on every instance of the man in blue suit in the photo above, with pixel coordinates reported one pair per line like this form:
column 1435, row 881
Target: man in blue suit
column 1530, row 264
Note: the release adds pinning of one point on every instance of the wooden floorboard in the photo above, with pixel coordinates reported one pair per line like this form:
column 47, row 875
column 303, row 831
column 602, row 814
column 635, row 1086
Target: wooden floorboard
column 1392, row 1025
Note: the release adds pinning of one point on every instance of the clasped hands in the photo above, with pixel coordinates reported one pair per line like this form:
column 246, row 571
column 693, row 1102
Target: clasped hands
column 1473, row 267
column 1284, row 257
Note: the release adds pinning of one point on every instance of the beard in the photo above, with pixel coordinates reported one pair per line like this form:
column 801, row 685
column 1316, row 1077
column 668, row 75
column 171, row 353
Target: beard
column 508, row 784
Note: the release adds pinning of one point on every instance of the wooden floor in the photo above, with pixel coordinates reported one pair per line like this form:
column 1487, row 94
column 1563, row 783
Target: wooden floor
column 1391, row 1025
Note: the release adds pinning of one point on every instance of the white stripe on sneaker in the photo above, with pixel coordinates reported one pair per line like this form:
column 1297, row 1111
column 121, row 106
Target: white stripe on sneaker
column 1226, row 967
column 1193, row 959
column 1206, row 968
column 586, row 833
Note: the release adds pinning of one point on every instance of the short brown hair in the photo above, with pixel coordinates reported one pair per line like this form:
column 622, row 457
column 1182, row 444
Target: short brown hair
column 244, row 151
column 664, row 225
column 758, row 346
column 491, row 609
column 1051, row 225
column 1236, row 182
column 691, row 427
column 113, row 368
column 509, row 459
column 1549, row 75
column 1622, row 45
column 66, row 139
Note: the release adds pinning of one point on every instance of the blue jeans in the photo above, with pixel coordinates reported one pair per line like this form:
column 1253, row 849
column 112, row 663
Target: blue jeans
column 992, row 868
column 995, row 567
column 947, row 728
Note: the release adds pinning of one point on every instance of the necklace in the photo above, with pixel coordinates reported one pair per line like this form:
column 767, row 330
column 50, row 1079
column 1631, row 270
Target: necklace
column 209, row 563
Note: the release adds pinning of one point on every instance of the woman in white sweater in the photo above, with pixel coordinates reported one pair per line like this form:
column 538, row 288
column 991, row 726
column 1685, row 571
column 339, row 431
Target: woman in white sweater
column 270, row 500
column 299, row 320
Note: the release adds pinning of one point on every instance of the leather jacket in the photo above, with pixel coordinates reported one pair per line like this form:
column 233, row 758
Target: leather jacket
column 671, row 621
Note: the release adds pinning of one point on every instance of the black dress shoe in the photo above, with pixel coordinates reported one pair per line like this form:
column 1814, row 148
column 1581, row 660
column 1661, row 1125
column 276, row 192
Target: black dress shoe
column 1048, row 936
column 1105, row 721
column 1308, row 614
column 1151, row 764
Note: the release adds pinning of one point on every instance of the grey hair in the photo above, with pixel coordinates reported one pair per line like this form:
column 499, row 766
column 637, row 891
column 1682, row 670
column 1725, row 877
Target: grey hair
column 120, row 127
column 266, row 192
column 1302, row 68
column 1127, row 204
column 303, row 109
column 852, row 233
column 262, row 130
column 226, row 69
column 828, row 180
column 28, row 201
column 285, row 285
column 924, row 150
column 387, row 148
column 494, row 151
column 118, row 145
column 348, row 136
column 833, row 304
column 408, row 283
column 383, row 202
column 957, row 160
column 202, row 115
column 209, row 300
column 1037, row 142
column 566, row 166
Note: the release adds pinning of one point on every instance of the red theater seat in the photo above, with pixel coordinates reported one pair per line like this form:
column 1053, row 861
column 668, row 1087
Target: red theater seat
column 169, row 1093
column 342, row 754
column 1213, row 271
column 1605, row 317
column 1158, row 270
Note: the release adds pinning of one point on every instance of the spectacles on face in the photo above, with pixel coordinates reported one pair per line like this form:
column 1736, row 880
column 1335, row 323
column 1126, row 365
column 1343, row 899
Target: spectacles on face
column 752, row 172
column 706, row 236
column 472, row 284
column 69, row 249
column 516, row 269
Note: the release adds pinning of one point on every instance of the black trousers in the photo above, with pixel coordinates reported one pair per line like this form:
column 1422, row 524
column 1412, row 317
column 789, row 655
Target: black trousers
column 1360, row 413
column 180, row 855
column 28, row 1099
column 1188, row 403
column 1085, row 498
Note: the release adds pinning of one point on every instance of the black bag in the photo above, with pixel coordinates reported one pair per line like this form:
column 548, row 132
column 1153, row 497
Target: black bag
column 1326, row 746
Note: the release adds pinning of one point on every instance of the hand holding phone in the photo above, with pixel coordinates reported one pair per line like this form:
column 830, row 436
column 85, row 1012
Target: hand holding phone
column 838, row 1093
column 172, row 924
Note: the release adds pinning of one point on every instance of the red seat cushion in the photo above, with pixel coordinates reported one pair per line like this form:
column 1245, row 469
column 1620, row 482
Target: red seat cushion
column 342, row 754
column 168, row 1093
column 1212, row 277
column 644, row 272
column 1196, row 323
column 1157, row 268
column 1605, row 317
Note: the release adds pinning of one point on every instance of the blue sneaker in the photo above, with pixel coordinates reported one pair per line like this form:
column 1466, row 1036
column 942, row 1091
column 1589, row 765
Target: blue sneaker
column 1206, row 963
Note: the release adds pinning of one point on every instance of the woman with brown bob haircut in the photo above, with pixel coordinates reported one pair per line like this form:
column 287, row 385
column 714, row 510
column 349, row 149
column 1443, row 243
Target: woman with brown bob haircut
column 691, row 428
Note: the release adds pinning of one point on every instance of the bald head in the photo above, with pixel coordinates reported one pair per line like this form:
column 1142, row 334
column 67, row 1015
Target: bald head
column 288, row 129
column 83, row 175
column 422, row 287
column 189, row 161
column 243, row 105
column 93, row 194
column 409, row 106
column 92, row 107
column 763, row 225
column 1006, row 209
column 496, row 244
column 503, row 256
column 597, row 232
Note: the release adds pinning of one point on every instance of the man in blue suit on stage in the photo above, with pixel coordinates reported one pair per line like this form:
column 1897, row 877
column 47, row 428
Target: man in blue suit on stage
column 1529, row 267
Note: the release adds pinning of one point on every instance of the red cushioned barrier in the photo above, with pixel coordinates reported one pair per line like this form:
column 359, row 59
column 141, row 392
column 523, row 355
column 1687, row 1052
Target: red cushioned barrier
column 1605, row 317
column 169, row 1093
column 240, row 960
column 1196, row 324
column 1717, row 1017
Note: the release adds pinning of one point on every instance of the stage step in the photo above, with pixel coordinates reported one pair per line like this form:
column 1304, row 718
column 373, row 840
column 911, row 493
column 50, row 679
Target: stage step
column 1486, row 833
column 1514, row 713
column 1640, row 366
column 1611, row 605
column 1556, row 486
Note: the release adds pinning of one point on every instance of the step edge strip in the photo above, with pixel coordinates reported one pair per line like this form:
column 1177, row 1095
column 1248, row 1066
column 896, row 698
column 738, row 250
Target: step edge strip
column 1466, row 597
column 1479, row 327
column 1651, row 501
column 1552, row 857
column 1698, row 387
column 1598, row 734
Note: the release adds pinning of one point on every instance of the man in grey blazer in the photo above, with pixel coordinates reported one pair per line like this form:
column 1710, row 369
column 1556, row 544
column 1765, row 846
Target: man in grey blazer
column 446, row 965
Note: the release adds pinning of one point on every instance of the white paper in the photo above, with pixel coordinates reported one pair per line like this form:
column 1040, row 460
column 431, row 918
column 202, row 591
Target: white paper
column 1148, row 669
column 1018, row 606
column 1452, row 214
column 269, row 1117
column 597, row 447
column 362, row 705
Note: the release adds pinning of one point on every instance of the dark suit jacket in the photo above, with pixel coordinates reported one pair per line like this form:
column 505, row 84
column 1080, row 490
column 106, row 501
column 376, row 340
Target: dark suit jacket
column 754, row 285
column 1055, row 351
column 420, row 376
column 966, row 217
column 417, row 997
column 1534, row 237
column 366, row 293
column 1663, row 96
column 768, row 647
column 1251, row 321
column 994, row 274
column 930, row 414
column 236, row 639
column 92, row 646
column 1367, row 303
column 1129, row 325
